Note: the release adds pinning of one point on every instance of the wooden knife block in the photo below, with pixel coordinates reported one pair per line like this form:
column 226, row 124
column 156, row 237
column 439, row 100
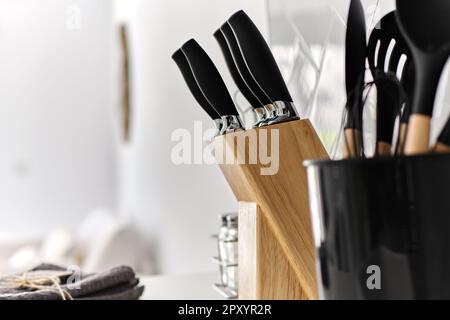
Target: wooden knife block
column 276, row 249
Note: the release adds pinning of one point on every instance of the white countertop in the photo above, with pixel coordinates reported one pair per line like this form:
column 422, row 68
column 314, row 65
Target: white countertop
column 181, row 287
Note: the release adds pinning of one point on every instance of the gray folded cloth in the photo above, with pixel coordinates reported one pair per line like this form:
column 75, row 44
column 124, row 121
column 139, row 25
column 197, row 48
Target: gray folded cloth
column 118, row 283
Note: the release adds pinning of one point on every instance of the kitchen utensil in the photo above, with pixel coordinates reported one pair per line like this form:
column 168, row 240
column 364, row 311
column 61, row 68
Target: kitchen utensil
column 384, row 66
column 262, row 65
column 426, row 27
column 183, row 64
column 212, row 86
column 355, row 64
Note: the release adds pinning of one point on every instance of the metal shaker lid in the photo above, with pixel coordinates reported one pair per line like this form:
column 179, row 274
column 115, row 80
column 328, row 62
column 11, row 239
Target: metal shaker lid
column 232, row 220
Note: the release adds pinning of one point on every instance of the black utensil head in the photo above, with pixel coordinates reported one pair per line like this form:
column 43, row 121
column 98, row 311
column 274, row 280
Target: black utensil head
column 384, row 70
column 425, row 23
column 355, row 63
column 356, row 47
column 426, row 27
column 385, row 31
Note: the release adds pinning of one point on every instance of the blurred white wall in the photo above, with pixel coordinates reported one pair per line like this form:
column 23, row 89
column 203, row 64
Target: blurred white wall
column 57, row 142
column 179, row 205
column 59, row 153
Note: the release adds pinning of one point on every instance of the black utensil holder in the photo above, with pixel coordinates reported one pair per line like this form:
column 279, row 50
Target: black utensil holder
column 382, row 227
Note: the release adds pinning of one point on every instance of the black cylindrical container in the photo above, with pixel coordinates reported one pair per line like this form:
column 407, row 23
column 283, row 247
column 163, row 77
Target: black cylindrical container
column 382, row 227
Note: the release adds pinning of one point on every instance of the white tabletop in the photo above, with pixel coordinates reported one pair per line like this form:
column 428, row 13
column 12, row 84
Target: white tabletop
column 181, row 287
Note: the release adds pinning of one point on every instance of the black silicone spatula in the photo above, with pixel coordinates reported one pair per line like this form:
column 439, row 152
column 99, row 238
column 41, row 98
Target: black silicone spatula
column 211, row 84
column 355, row 65
column 426, row 27
column 262, row 65
column 384, row 66
column 183, row 64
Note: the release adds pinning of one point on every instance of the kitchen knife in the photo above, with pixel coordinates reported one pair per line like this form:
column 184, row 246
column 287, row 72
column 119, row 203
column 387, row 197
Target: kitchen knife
column 212, row 86
column 183, row 64
column 355, row 66
column 426, row 27
column 262, row 65
column 268, row 112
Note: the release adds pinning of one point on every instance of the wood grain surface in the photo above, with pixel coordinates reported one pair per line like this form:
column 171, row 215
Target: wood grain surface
column 283, row 226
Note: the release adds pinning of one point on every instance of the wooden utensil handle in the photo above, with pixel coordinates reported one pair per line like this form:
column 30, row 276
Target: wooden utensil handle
column 384, row 149
column 353, row 143
column 418, row 137
column 402, row 138
column 441, row 148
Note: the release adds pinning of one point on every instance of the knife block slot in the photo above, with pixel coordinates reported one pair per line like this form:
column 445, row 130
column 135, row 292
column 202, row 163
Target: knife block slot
column 276, row 249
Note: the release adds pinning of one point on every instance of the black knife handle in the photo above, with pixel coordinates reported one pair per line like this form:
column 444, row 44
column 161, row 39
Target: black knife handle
column 209, row 79
column 259, row 57
column 234, row 71
column 183, row 64
column 242, row 66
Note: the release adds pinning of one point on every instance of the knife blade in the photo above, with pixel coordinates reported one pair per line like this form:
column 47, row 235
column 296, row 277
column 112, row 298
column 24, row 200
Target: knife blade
column 183, row 64
column 262, row 65
column 212, row 86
